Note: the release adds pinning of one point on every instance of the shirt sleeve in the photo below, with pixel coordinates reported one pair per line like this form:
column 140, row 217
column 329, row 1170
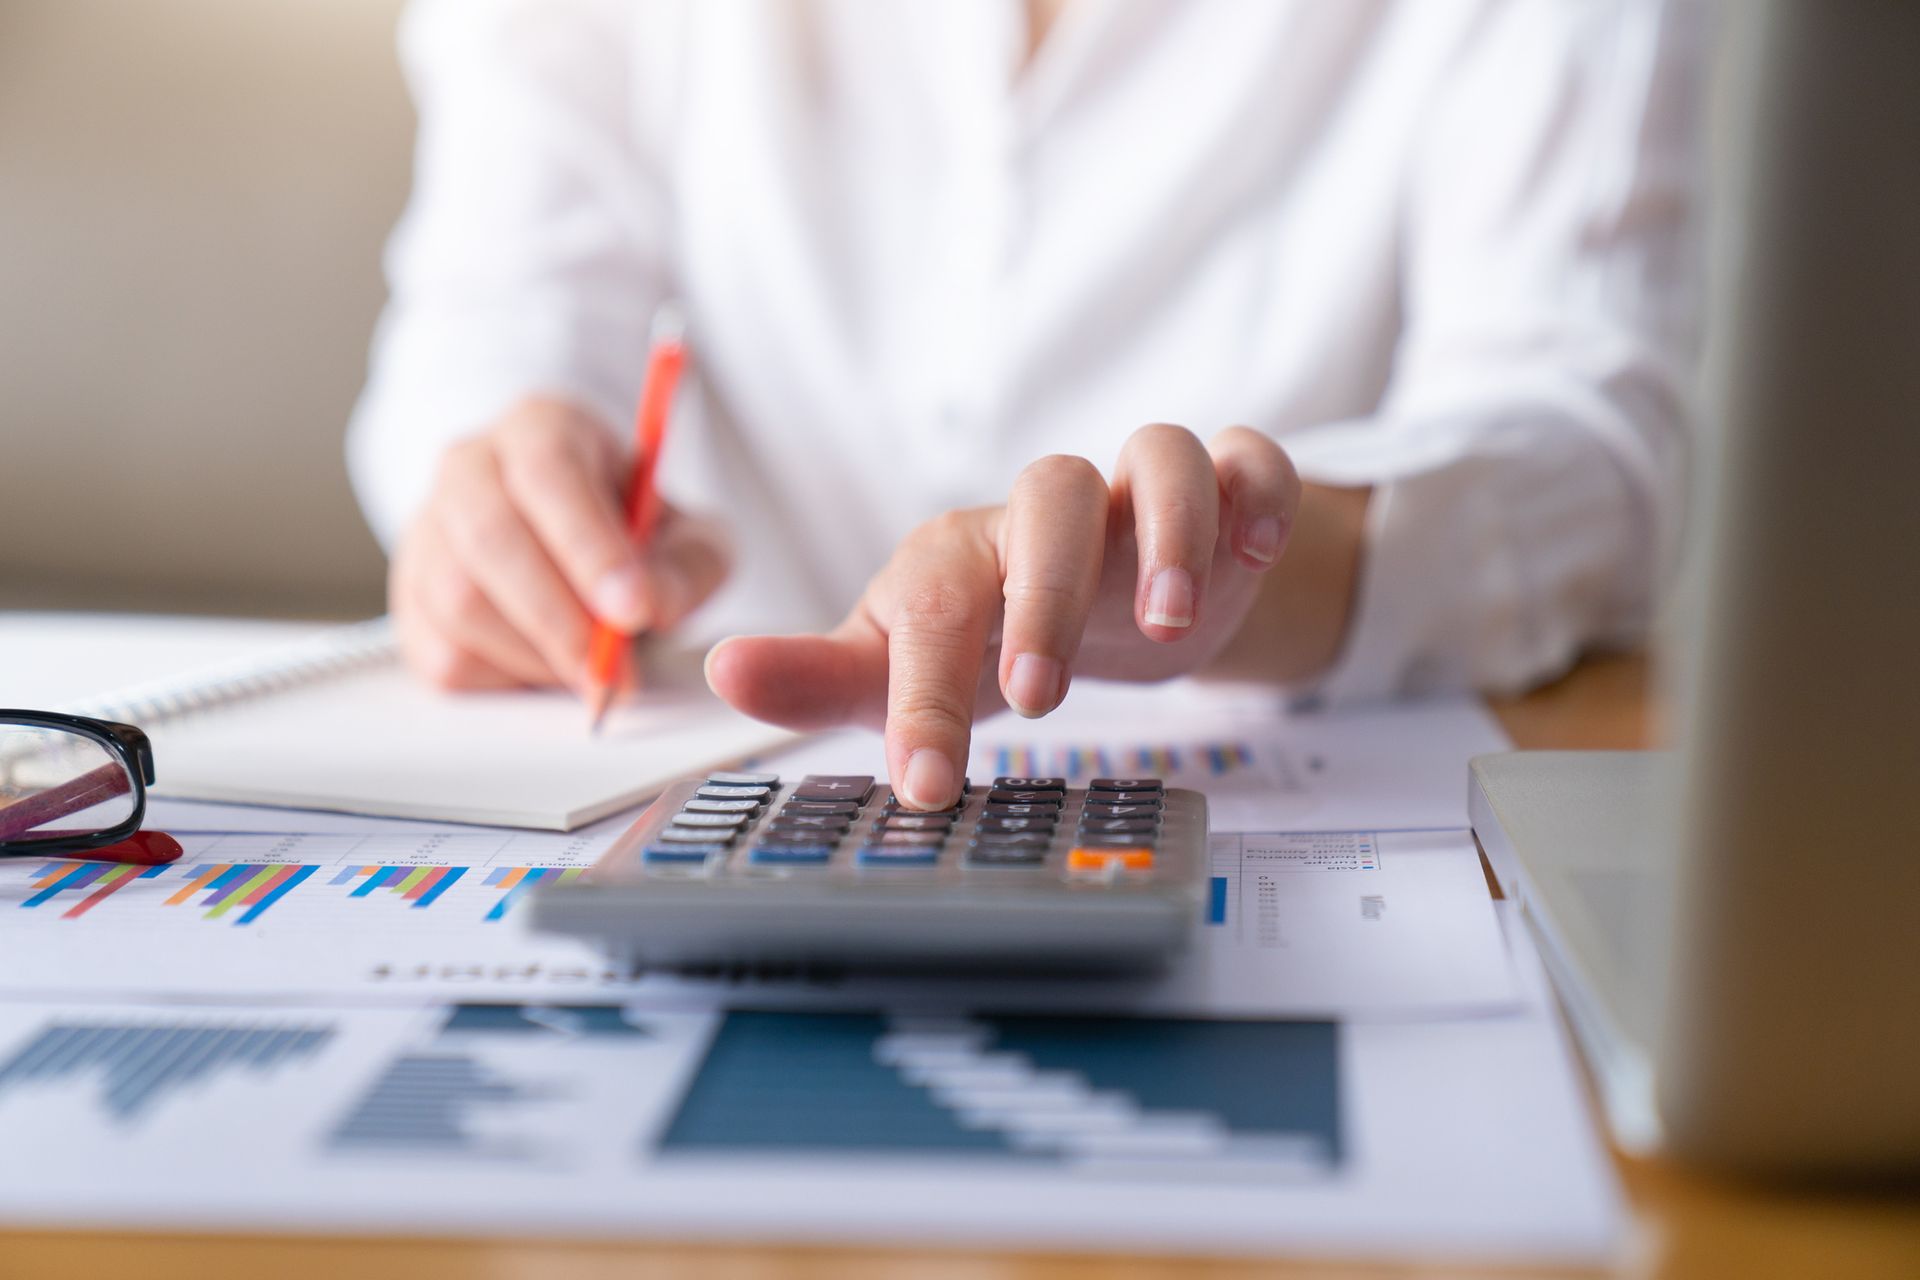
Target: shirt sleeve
column 1526, row 457
column 530, row 257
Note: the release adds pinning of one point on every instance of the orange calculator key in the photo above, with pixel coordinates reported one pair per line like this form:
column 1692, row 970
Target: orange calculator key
column 1136, row 859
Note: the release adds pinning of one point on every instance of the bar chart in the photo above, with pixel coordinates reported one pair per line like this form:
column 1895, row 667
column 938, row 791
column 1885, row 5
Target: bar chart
column 139, row 1065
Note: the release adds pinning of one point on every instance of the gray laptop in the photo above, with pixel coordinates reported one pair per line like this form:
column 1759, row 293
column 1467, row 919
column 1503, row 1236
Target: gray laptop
column 1734, row 927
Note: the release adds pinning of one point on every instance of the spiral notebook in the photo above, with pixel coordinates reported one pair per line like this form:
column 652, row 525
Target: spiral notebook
column 333, row 722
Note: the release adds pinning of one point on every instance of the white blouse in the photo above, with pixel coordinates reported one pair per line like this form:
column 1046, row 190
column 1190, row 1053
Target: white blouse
column 1442, row 247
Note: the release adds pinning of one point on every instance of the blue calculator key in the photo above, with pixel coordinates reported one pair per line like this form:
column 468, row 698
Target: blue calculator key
column 881, row 855
column 792, row 854
column 682, row 852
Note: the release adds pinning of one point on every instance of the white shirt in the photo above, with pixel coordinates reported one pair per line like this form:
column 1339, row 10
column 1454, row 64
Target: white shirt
column 1441, row 247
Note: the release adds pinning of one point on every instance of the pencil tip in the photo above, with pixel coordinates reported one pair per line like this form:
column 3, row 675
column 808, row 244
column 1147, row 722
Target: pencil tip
column 598, row 704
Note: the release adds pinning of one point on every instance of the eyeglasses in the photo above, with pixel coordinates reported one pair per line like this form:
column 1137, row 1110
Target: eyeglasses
column 76, row 785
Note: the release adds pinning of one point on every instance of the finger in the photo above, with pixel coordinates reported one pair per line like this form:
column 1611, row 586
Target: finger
column 498, row 550
column 1261, row 491
column 562, row 476
column 433, row 657
column 936, row 602
column 1166, row 482
column 1053, row 540
column 805, row 682
column 687, row 561
column 459, row 610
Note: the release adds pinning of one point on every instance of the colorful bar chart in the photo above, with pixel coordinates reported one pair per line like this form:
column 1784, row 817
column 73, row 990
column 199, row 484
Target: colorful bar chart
column 517, row 880
column 240, row 893
column 1078, row 762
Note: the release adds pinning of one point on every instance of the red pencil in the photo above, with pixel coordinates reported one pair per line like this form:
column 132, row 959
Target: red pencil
column 606, row 660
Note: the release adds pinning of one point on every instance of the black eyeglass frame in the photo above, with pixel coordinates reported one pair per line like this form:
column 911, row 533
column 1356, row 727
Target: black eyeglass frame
column 126, row 743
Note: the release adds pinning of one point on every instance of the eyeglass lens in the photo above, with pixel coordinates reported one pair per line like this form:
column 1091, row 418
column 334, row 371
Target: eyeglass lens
column 55, row 783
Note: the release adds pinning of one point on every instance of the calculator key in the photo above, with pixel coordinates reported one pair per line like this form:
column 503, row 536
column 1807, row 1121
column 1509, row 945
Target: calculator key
column 1151, row 798
column 1083, row 859
column 1002, row 795
column 1014, row 839
column 694, row 835
column 877, row 855
column 914, row 822
column 780, row 833
column 744, row 779
column 1019, row 810
column 709, row 819
column 1125, row 784
column 908, row 839
column 720, row 806
column 734, row 793
column 682, row 853
column 813, row 821
column 845, row 808
column 1030, row 784
column 1116, row 840
column 820, row 786
column 1119, row 826
column 999, row 855
column 1122, row 811
column 896, row 805
column 792, row 854
column 1017, row 824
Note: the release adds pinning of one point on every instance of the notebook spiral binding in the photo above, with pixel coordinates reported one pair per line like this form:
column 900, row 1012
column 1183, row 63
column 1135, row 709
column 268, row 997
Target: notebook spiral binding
column 332, row 653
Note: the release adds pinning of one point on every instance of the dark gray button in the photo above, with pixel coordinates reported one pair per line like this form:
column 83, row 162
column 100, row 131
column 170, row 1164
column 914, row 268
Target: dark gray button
column 1020, row 810
column 694, row 835
column 1122, row 811
column 915, row 821
column 825, row 786
column 744, row 779
column 734, row 793
column 1005, row 856
column 1002, row 795
column 720, row 806
column 1017, row 824
column 1152, row 798
column 1030, row 784
column 1090, row 840
column 707, row 820
column 1014, row 839
column 1118, row 826
column 1125, row 784
column 908, row 839
column 815, row 808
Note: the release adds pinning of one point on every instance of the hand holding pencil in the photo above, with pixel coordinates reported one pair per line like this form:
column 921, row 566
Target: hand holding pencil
column 526, row 544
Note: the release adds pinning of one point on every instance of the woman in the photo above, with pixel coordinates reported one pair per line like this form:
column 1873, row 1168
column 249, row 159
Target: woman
column 940, row 263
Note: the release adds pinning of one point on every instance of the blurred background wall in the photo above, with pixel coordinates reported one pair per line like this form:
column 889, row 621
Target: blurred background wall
column 193, row 199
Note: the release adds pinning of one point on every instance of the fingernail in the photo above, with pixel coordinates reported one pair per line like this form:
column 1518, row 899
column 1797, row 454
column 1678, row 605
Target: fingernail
column 1033, row 685
column 1170, row 599
column 620, row 599
column 929, row 781
column 1262, row 540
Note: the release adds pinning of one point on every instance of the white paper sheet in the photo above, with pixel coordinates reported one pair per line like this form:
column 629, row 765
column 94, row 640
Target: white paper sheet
column 1458, row 1139
column 1353, row 924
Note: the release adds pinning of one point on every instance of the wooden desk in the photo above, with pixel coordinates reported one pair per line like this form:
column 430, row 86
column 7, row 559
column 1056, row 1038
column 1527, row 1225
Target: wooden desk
column 1687, row 1226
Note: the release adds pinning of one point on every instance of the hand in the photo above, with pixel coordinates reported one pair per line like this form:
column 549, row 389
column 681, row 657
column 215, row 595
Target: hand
column 523, row 543
column 1144, row 579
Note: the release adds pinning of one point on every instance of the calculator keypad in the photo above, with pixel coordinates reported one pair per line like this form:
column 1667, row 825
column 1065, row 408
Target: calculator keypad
column 753, row 824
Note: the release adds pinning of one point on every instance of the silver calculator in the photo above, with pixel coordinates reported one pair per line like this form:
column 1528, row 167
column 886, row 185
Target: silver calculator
column 1025, row 873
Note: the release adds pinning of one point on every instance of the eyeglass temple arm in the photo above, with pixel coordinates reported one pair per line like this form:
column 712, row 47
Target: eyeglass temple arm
column 91, row 788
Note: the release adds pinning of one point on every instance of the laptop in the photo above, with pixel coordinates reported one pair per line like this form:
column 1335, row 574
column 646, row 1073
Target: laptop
column 1733, row 926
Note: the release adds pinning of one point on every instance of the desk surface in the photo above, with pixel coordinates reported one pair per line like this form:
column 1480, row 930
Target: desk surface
column 1688, row 1226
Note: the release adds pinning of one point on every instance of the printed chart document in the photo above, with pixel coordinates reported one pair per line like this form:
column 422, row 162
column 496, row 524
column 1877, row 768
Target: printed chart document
column 972, row 1126
column 1348, row 923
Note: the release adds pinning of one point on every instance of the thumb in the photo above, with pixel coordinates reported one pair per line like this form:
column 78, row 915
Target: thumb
column 805, row 682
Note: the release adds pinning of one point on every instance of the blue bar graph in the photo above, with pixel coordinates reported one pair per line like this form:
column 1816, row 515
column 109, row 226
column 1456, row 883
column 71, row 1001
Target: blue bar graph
column 1217, row 900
